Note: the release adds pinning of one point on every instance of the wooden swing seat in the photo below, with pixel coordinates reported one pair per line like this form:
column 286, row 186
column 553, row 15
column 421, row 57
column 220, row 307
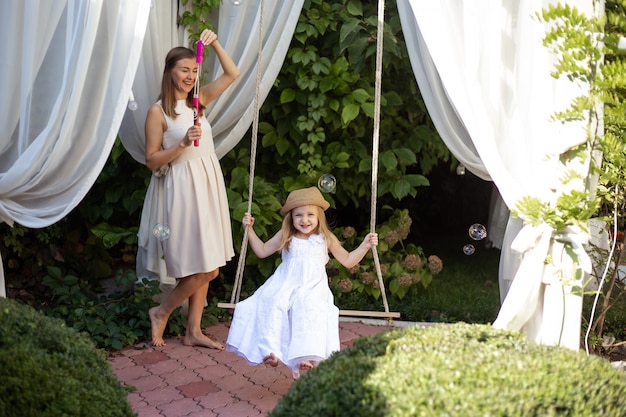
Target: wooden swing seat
column 350, row 313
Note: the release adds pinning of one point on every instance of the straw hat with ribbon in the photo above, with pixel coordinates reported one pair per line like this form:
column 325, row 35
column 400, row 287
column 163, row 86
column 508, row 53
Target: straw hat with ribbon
column 304, row 197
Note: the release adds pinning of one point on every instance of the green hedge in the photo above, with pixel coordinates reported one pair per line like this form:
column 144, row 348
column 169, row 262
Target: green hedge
column 48, row 369
column 456, row 370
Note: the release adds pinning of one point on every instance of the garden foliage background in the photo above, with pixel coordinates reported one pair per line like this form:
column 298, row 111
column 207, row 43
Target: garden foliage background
column 316, row 120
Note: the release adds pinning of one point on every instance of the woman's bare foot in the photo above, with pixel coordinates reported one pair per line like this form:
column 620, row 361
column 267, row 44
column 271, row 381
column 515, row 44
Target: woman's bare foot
column 202, row 340
column 271, row 360
column 158, row 327
column 305, row 366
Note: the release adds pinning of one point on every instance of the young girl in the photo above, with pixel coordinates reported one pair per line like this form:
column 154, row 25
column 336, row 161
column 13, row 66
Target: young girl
column 291, row 318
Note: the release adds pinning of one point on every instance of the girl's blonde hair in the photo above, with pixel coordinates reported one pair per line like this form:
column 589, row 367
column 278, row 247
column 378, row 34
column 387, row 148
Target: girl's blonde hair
column 288, row 231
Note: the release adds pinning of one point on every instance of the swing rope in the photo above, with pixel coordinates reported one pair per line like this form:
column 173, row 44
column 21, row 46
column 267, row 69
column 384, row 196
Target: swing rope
column 253, row 150
column 375, row 143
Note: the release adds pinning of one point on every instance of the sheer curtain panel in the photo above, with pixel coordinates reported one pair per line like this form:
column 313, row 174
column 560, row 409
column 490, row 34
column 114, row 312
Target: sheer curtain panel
column 485, row 78
column 67, row 72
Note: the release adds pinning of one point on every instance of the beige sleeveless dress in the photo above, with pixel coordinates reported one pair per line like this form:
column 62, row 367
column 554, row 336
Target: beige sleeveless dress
column 190, row 201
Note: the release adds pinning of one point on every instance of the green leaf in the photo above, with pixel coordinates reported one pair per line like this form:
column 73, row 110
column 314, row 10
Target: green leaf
column 405, row 155
column 269, row 139
column 326, row 84
column 282, row 144
column 349, row 113
column 417, row 180
column 401, row 189
column 287, row 96
column 354, row 8
column 360, row 95
column 365, row 165
column 347, row 30
column 389, row 160
column 368, row 109
column 342, row 157
column 54, row 272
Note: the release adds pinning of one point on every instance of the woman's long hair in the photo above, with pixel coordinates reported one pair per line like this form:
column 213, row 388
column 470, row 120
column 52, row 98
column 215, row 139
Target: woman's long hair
column 288, row 231
column 168, row 96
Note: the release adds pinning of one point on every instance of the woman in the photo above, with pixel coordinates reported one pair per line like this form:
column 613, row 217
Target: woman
column 195, row 206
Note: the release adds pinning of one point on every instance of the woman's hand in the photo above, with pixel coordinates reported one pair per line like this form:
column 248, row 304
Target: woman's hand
column 247, row 220
column 193, row 133
column 208, row 37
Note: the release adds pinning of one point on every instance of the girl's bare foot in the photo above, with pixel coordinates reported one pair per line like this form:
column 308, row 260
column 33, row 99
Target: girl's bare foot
column 271, row 360
column 158, row 327
column 302, row 366
column 202, row 340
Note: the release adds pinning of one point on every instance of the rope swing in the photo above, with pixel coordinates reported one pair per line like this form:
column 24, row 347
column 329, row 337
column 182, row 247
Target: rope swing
column 234, row 299
column 375, row 143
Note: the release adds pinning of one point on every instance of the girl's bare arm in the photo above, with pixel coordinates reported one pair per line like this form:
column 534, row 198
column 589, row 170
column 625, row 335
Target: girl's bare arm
column 260, row 248
column 350, row 259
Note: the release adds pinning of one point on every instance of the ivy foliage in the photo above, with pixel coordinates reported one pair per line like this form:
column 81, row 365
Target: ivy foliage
column 195, row 18
column 113, row 320
column 318, row 119
column 586, row 51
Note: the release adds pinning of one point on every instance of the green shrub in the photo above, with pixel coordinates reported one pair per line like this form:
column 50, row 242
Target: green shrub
column 48, row 369
column 456, row 370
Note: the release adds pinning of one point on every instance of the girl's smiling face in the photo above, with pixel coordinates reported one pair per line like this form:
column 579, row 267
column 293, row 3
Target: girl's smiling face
column 184, row 77
column 305, row 220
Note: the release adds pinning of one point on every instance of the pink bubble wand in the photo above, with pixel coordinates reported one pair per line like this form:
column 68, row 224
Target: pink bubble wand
column 196, row 99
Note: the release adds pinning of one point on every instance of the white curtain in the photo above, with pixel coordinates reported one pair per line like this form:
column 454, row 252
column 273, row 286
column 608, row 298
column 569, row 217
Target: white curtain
column 485, row 78
column 161, row 35
column 237, row 27
column 66, row 74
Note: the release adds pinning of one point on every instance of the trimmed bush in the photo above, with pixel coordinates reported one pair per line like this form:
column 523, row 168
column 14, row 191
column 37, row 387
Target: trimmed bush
column 48, row 369
column 456, row 370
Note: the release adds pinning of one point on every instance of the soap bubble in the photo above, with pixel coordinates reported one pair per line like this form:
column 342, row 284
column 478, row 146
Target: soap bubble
column 161, row 232
column 477, row 231
column 327, row 183
column 468, row 249
column 132, row 105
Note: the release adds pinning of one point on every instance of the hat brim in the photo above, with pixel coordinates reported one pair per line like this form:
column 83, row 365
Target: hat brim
column 304, row 197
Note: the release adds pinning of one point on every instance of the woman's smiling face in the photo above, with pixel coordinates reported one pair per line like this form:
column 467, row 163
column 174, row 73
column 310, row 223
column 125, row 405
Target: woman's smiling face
column 305, row 220
column 184, row 77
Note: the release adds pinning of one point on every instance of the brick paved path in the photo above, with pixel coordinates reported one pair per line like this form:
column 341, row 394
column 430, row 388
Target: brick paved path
column 177, row 380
